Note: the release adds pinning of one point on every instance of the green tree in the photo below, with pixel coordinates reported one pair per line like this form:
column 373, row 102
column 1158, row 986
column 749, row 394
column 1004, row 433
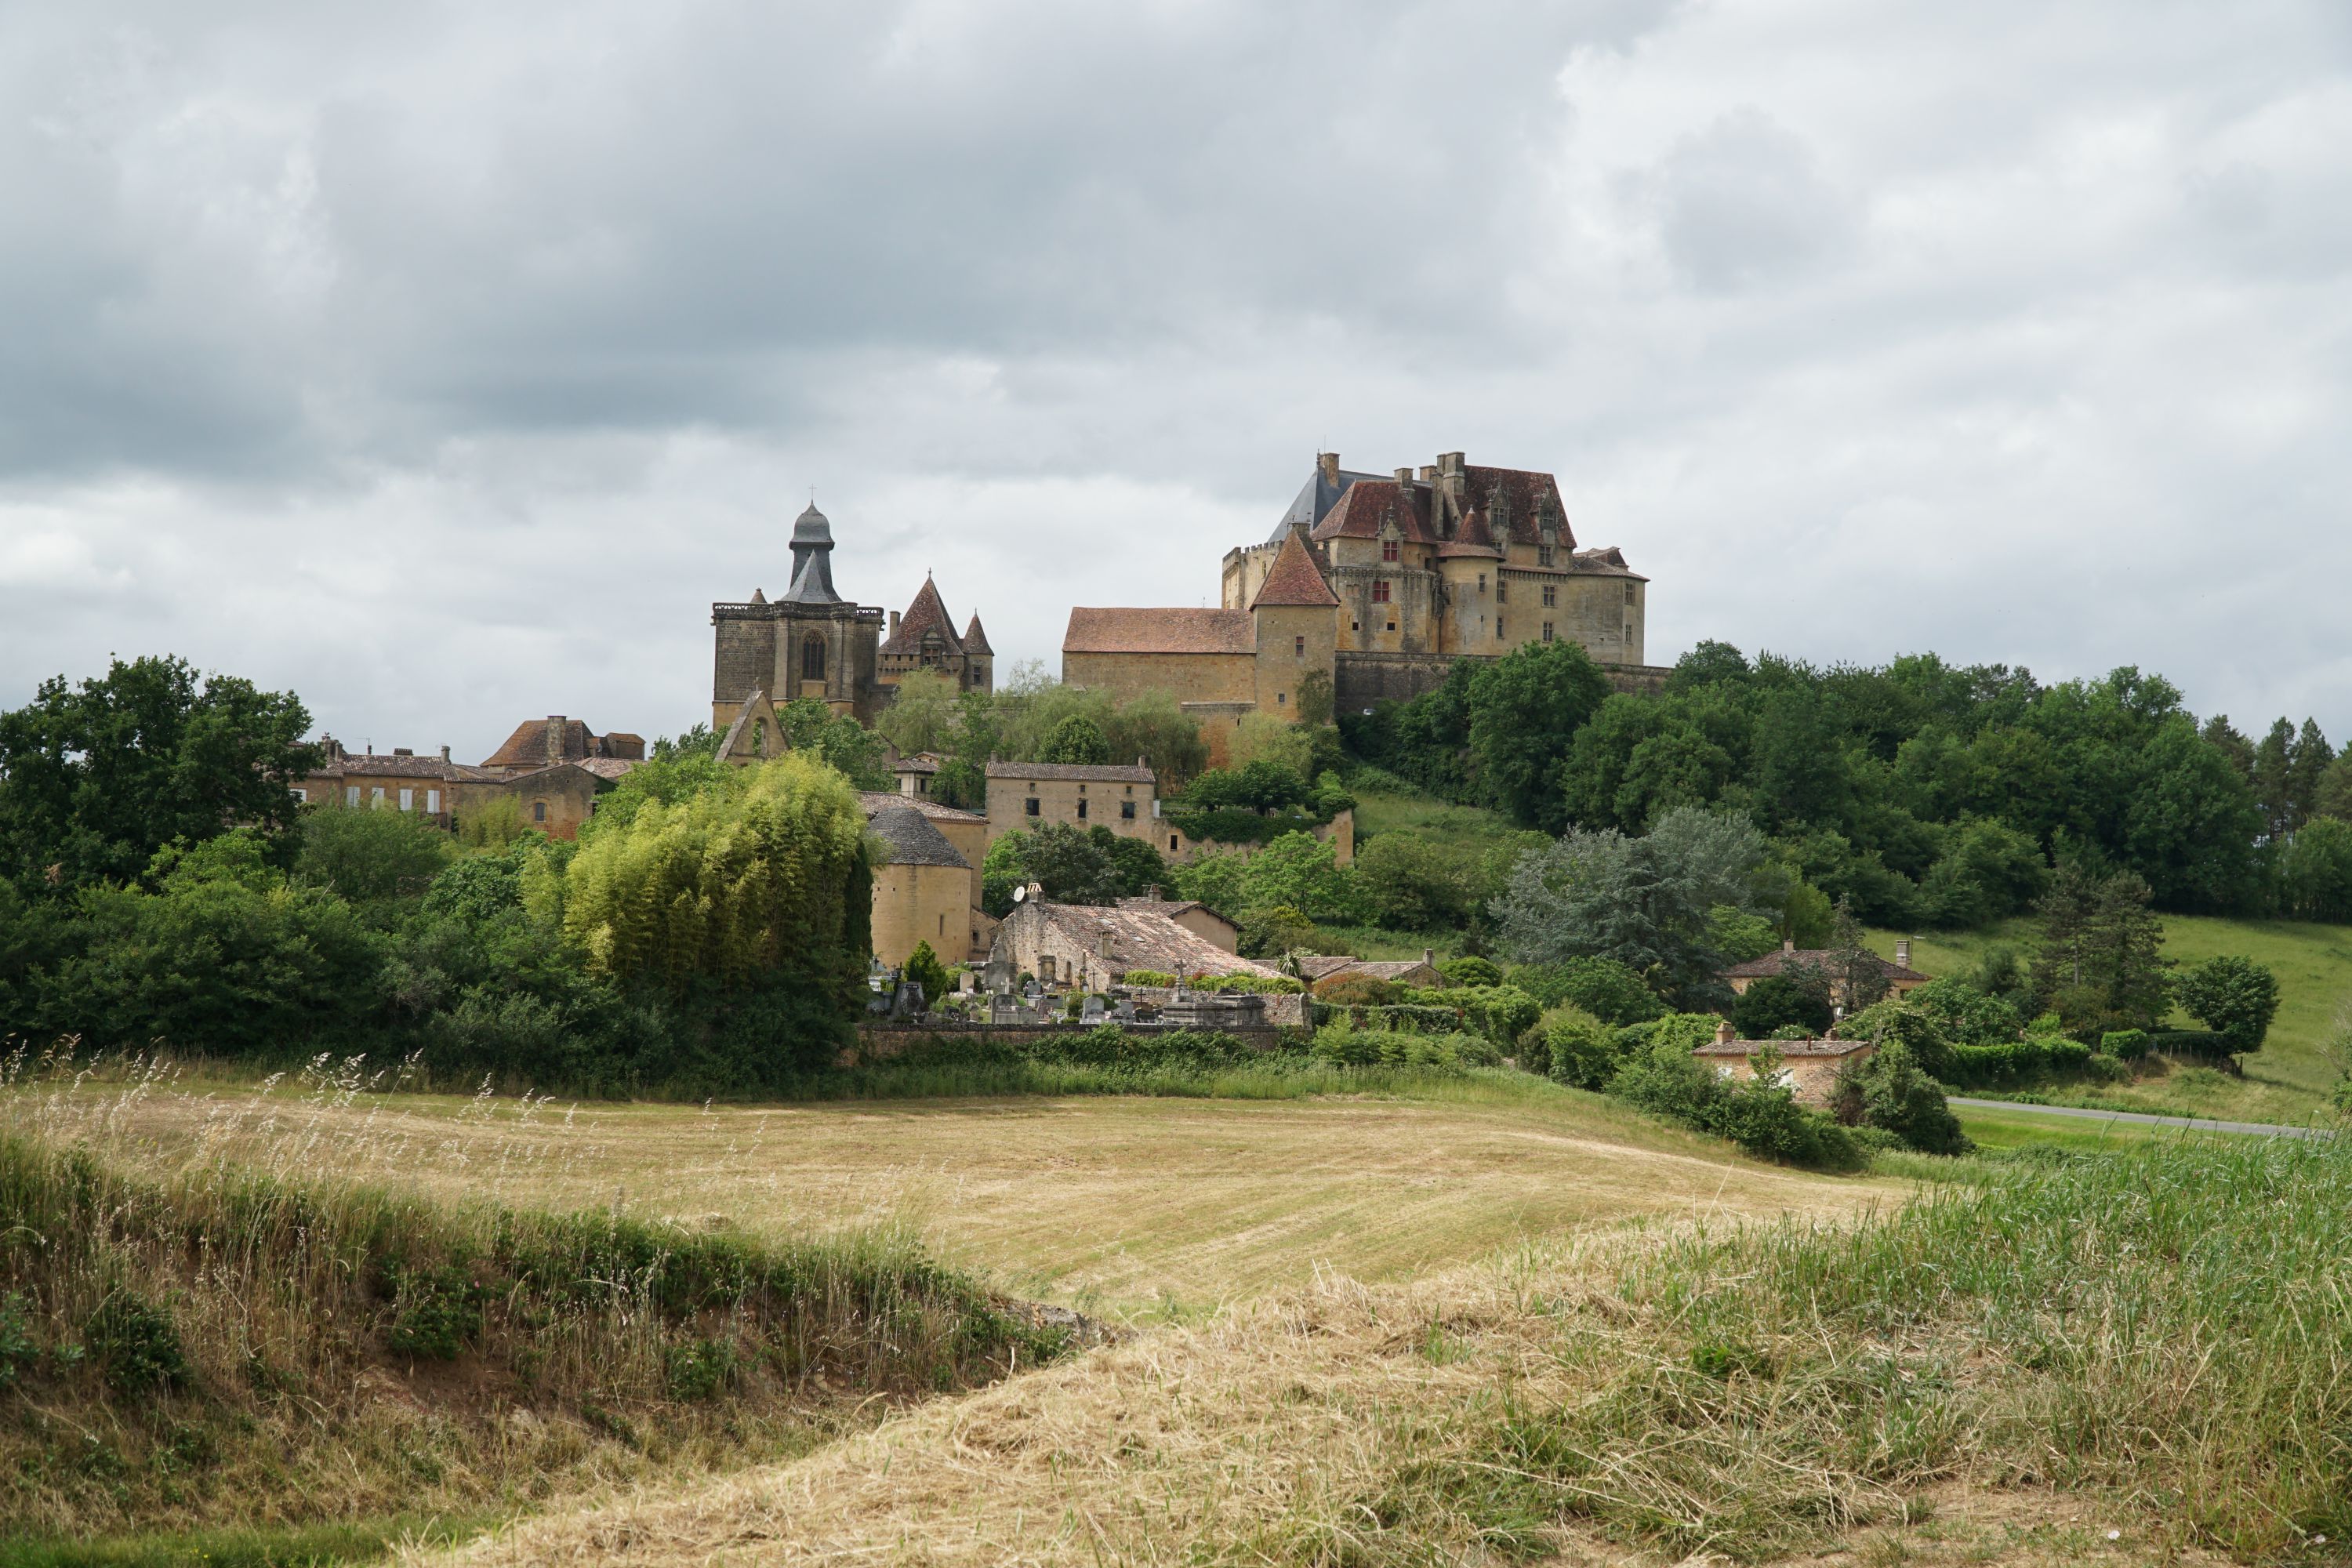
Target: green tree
column 1154, row 726
column 1413, row 884
column 96, row 778
column 924, row 968
column 1889, row 1090
column 1779, row 1000
column 2100, row 961
column 761, row 878
column 1301, row 871
column 1273, row 931
column 1072, row 864
column 1315, row 697
column 1078, row 740
column 2234, row 996
column 1216, row 880
column 1649, row 902
column 1602, row 986
column 372, row 857
column 1524, row 712
column 2314, row 871
column 924, row 716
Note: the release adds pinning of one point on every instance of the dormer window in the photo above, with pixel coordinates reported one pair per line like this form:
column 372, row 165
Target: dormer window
column 1543, row 554
column 1388, row 549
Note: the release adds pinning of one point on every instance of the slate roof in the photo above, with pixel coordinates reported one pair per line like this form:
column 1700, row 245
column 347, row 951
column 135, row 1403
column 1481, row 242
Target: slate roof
column 1782, row 961
column 1085, row 772
column 1319, row 496
column 975, row 641
column 1143, row 939
column 1294, row 580
column 913, row 841
column 873, row 800
column 812, row 549
column 1608, row 561
column 1159, row 631
column 929, row 613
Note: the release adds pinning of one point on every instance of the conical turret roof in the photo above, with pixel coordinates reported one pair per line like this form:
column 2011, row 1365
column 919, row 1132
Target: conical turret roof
column 975, row 641
column 1294, row 580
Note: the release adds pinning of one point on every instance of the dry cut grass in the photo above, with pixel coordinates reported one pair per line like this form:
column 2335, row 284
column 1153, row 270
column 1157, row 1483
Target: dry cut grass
column 1131, row 1207
column 2139, row 1358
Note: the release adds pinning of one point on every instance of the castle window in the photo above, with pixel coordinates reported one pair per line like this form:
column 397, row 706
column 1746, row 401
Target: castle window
column 1482, row 582
column 539, row 811
column 1502, row 589
column 1546, row 631
column 1126, row 811
column 1391, row 625
column 1388, row 549
column 1628, row 593
column 1281, row 699
column 1543, row 554
column 1298, row 647
column 1498, row 628
column 813, row 659
column 1082, row 808
column 1031, row 804
column 1551, row 595
column 1380, row 590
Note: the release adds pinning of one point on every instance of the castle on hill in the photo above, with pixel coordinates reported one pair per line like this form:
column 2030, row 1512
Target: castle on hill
column 1378, row 584
column 812, row 642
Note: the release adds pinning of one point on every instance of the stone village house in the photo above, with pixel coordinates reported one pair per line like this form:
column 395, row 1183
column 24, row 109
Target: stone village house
column 1899, row 976
column 1810, row 1067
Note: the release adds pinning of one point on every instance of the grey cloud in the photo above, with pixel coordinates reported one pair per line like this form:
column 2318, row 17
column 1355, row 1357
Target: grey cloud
column 1745, row 202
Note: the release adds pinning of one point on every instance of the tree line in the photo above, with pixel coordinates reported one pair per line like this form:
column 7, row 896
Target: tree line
column 1921, row 793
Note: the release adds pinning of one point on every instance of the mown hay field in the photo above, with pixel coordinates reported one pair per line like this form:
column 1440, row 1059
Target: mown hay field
column 1134, row 1207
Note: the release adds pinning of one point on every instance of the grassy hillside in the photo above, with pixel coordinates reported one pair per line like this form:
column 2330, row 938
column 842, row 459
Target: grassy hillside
column 190, row 1339
column 2286, row 1080
column 2112, row 1359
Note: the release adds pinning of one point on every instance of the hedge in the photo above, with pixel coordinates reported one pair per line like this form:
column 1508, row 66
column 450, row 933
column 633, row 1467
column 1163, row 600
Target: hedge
column 2203, row 1043
column 2011, row 1061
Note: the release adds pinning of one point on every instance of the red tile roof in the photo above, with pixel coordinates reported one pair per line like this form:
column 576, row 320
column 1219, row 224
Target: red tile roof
column 1368, row 503
column 1818, row 958
column 1159, row 631
column 1294, row 580
column 927, row 613
column 1474, row 539
column 1525, row 492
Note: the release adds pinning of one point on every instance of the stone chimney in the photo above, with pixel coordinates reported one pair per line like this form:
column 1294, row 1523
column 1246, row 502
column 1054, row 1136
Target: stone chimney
column 445, row 753
column 555, row 722
column 1328, row 463
column 1723, row 1034
column 1788, row 944
column 1903, row 951
column 1429, row 473
column 1037, row 889
column 1449, row 462
column 1153, row 893
column 894, row 623
column 1429, row 956
column 1403, row 478
column 404, row 750
column 1110, row 940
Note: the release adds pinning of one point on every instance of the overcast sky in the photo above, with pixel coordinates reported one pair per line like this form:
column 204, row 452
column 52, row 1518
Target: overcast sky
column 443, row 363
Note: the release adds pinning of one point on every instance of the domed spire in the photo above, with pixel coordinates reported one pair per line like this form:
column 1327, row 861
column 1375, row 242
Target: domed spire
column 812, row 560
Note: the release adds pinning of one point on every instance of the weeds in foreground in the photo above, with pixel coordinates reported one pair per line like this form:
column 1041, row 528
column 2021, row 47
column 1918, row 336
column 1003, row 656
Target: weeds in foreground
column 2165, row 1325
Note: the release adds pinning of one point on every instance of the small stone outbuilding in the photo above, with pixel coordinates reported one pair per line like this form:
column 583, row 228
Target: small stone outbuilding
column 1810, row 1067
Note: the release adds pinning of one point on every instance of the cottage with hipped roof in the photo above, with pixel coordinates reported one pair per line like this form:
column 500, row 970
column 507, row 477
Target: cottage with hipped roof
column 1826, row 965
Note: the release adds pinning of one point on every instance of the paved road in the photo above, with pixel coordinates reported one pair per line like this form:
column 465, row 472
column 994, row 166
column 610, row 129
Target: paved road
column 2199, row 1123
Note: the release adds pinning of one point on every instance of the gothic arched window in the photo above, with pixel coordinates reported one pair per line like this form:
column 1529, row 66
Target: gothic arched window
column 813, row 659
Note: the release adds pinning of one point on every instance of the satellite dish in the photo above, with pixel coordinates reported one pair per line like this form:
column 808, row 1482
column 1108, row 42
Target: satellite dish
column 1020, row 893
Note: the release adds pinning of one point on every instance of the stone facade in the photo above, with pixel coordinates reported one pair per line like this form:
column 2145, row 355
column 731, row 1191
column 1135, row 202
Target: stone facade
column 813, row 643
column 1021, row 795
column 1382, row 584
column 1899, row 975
column 1810, row 1067
column 555, row 798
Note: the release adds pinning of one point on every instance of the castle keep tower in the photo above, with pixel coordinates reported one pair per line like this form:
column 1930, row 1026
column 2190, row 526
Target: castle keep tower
column 810, row 643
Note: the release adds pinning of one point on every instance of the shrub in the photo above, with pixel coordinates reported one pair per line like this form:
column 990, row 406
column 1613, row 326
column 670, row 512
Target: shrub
column 135, row 1344
column 1577, row 1050
column 436, row 1312
column 1969, row 1016
column 1259, row 984
column 1470, row 969
column 1501, row 1012
column 2202, row 1045
column 1888, row 1091
column 697, row 1369
column 1356, row 991
column 2123, row 1045
column 924, row 968
column 1602, row 986
column 1271, row 932
column 1149, row 977
column 1346, row 1044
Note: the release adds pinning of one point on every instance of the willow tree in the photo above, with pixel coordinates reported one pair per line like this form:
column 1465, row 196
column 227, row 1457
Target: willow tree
column 760, row 878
